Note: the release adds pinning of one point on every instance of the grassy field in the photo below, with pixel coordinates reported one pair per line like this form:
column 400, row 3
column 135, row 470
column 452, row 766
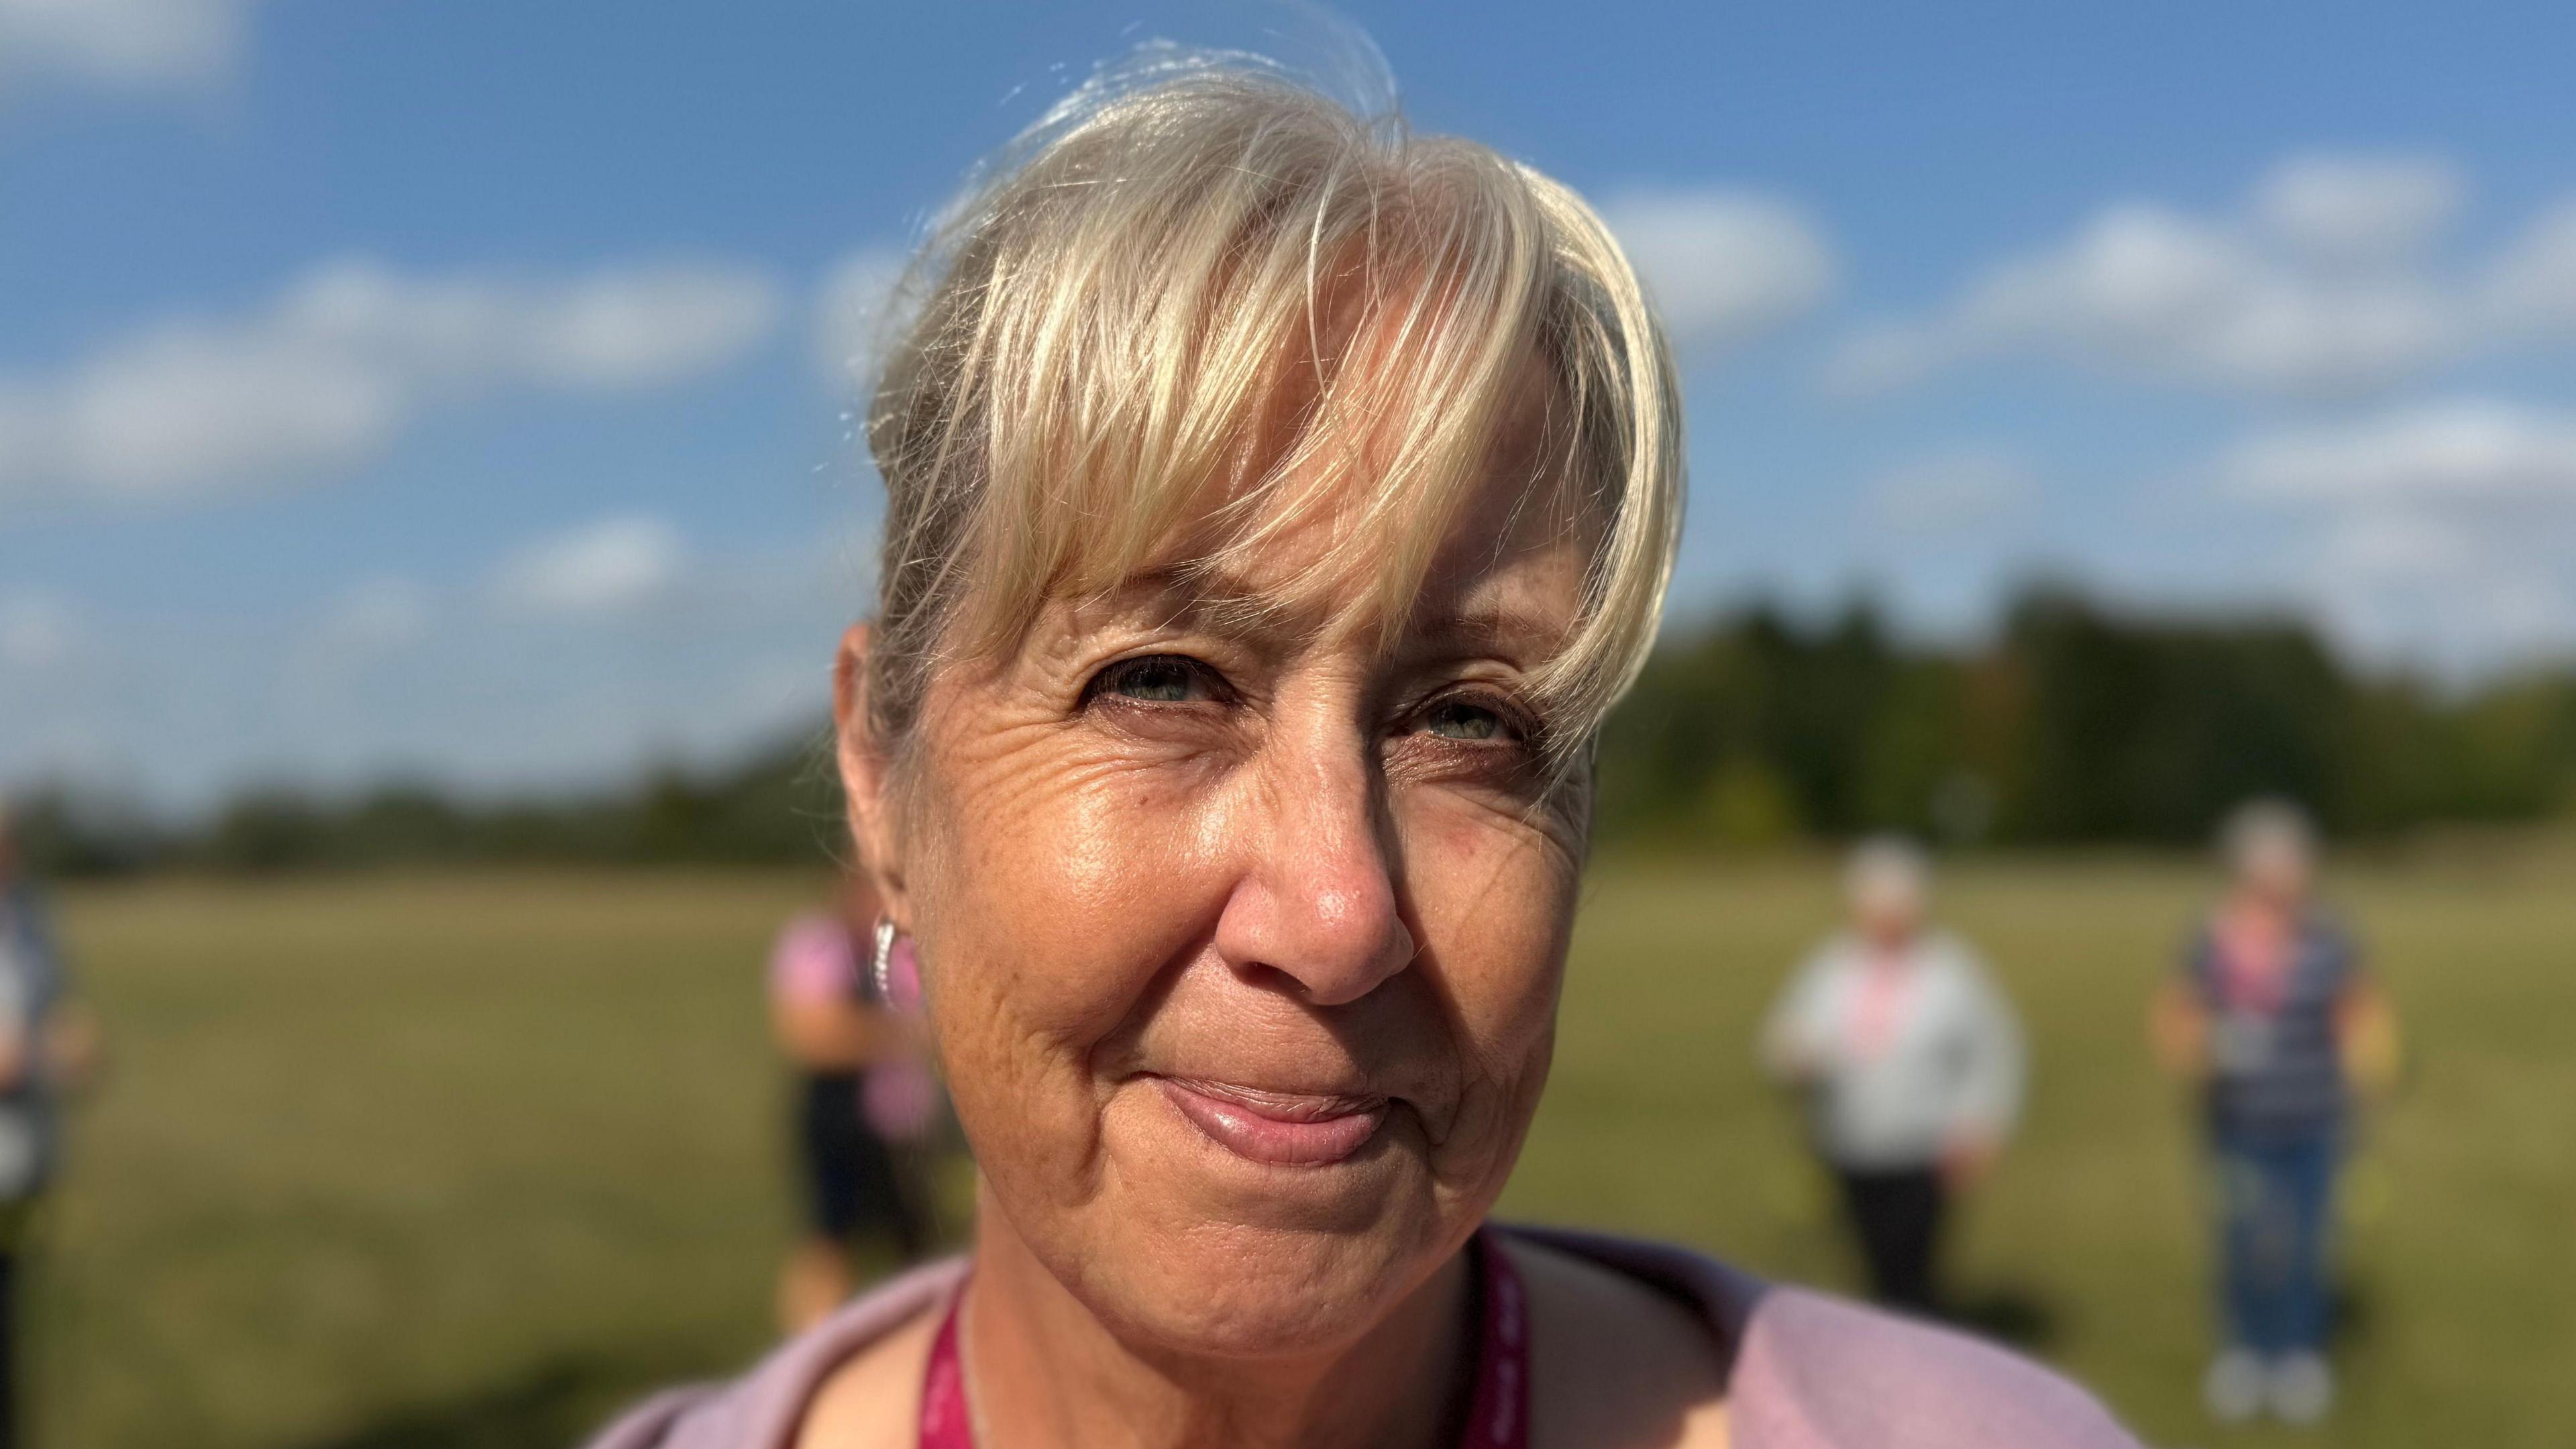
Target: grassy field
column 395, row 1163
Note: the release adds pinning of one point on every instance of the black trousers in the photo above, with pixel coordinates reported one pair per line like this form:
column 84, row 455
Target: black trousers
column 1897, row 1216
column 852, row 1176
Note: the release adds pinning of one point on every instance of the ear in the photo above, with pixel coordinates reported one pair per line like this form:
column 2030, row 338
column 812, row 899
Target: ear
column 864, row 787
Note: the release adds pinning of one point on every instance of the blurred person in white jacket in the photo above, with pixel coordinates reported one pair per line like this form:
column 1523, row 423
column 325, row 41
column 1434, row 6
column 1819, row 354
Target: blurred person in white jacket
column 1911, row 1063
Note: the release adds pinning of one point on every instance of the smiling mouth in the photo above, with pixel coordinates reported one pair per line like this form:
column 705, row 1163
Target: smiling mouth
column 1277, row 1129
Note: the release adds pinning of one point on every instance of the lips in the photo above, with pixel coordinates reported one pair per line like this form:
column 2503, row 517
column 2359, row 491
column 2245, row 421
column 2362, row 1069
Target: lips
column 1277, row 1129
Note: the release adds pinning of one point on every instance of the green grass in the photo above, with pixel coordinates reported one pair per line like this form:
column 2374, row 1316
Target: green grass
column 414, row 1163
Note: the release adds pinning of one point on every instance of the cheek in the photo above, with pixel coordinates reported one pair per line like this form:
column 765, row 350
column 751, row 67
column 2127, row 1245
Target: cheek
column 1494, row 896
column 1053, row 882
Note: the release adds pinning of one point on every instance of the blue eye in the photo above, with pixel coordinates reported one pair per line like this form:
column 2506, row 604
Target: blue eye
column 1464, row 719
column 1156, row 679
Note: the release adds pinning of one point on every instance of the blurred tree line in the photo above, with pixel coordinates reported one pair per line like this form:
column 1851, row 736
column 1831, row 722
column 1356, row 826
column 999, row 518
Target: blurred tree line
column 779, row 806
column 2074, row 724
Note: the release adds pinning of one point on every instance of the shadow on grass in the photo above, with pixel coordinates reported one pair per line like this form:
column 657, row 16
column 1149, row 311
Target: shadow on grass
column 2352, row 1311
column 2007, row 1315
column 2024, row 1320
column 554, row 1406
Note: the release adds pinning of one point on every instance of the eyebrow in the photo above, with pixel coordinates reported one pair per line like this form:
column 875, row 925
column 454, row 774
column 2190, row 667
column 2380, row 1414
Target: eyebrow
column 1224, row 603
column 1220, row 602
column 1491, row 630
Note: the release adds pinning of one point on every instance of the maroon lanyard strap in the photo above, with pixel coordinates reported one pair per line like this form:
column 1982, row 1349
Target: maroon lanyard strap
column 1497, row 1414
column 946, row 1421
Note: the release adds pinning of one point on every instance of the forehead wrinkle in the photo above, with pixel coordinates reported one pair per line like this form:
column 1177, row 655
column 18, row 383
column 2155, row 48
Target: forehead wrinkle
column 1453, row 621
column 1331, row 564
column 1516, row 636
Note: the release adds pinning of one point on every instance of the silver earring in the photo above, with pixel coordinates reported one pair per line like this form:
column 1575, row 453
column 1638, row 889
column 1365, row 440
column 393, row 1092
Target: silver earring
column 881, row 964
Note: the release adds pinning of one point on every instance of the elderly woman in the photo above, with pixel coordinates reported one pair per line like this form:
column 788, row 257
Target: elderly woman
column 1911, row 1063
column 1276, row 502
column 2284, row 1035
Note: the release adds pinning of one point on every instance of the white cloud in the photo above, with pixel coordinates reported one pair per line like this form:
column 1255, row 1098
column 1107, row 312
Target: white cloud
column 381, row 613
column 432, row 678
column 2459, row 594
column 852, row 312
column 610, row 566
column 1724, row 266
column 1957, row 489
column 130, row 44
column 2453, row 452
column 640, row 328
column 333, row 654
column 2360, row 208
column 2382, row 545
column 2443, row 532
column 343, row 359
column 36, row 630
column 2331, row 280
column 2532, row 286
column 2148, row 291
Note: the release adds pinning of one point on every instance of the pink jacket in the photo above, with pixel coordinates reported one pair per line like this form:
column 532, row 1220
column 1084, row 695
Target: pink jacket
column 1808, row 1371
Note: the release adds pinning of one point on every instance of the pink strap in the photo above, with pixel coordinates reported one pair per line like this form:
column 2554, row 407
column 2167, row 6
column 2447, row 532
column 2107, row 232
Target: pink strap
column 946, row 1422
column 1497, row 1414
column 1886, row 997
column 2253, row 964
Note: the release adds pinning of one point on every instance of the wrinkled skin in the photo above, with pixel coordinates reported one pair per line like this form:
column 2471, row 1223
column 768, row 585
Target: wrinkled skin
column 1154, row 841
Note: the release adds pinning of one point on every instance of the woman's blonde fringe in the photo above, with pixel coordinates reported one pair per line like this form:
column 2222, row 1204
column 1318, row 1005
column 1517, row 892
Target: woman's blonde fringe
column 1202, row 307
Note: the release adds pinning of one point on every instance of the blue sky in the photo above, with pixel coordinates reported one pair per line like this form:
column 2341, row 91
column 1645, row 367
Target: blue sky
column 447, row 389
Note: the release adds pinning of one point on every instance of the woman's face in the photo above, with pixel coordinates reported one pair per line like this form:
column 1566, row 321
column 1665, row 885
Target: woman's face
column 1242, row 941
column 2278, row 871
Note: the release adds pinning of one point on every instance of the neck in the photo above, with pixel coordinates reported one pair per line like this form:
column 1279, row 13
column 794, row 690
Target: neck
column 1041, row 1370
column 1891, row 948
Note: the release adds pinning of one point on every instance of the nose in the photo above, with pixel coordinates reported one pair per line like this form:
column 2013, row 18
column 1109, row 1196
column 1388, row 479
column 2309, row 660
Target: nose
column 1316, row 903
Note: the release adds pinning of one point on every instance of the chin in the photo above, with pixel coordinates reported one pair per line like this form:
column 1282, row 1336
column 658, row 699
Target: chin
column 1191, row 1250
column 1227, row 1290
column 1179, row 1246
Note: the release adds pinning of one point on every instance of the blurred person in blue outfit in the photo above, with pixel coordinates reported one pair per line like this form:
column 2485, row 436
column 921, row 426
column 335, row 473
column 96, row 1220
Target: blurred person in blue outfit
column 47, row 1044
column 1911, row 1063
column 2272, row 1019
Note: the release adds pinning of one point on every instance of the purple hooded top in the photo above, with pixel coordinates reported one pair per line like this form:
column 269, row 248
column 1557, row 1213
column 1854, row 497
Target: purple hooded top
column 1807, row 1371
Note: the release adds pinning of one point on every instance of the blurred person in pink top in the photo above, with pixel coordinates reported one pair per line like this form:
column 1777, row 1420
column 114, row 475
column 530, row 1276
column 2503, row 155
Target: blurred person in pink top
column 863, row 1100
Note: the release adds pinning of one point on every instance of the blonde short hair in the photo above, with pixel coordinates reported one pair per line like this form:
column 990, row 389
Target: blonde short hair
column 2264, row 828
column 1199, row 303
